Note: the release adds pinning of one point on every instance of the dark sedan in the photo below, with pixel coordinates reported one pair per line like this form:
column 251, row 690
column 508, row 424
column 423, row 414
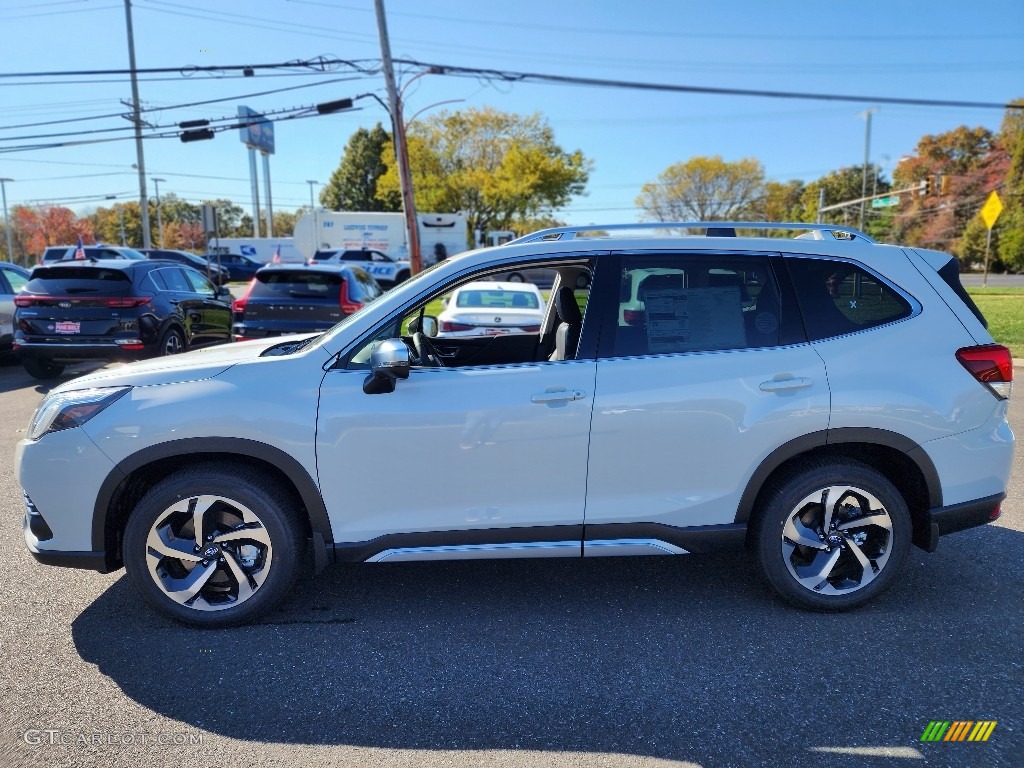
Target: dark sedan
column 217, row 274
column 295, row 298
column 239, row 266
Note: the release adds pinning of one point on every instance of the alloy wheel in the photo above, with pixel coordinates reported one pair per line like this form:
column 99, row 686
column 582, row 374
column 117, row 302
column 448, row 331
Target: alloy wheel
column 208, row 553
column 837, row 540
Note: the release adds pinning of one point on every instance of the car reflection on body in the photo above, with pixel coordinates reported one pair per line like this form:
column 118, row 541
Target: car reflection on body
column 489, row 308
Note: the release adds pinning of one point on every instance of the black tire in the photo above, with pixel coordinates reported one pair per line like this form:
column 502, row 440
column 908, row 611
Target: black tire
column 238, row 501
column 582, row 281
column 402, row 276
column 39, row 368
column 839, row 566
column 514, row 277
column 172, row 342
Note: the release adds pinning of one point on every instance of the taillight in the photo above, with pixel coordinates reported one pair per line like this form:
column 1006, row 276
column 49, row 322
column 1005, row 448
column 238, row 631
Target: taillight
column 347, row 305
column 634, row 316
column 449, row 327
column 531, row 328
column 238, row 305
column 24, row 301
column 130, row 301
column 991, row 364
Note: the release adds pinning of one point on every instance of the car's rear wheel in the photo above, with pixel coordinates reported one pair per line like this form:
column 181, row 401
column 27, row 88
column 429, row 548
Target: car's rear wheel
column 515, row 277
column 171, row 342
column 39, row 368
column 832, row 535
column 213, row 546
column 402, row 276
column 582, row 281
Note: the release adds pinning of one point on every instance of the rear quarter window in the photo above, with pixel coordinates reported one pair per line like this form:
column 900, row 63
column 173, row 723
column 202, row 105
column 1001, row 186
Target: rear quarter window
column 838, row 297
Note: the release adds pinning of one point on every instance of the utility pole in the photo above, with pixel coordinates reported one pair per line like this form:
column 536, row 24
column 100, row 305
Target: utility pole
column 137, row 122
column 311, row 183
column 401, row 148
column 7, row 220
column 867, row 153
column 159, row 216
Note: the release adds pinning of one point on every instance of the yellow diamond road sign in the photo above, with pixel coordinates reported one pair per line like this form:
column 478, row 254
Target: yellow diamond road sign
column 991, row 210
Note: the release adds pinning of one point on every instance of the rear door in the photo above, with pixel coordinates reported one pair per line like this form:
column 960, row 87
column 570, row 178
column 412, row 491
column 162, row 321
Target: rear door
column 697, row 384
column 214, row 324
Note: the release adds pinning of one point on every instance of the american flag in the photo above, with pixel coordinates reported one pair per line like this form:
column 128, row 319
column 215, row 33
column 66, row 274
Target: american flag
column 79, row 249
column 277, row 256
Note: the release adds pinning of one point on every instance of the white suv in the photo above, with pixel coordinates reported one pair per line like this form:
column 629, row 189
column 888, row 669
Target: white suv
column 823, row 401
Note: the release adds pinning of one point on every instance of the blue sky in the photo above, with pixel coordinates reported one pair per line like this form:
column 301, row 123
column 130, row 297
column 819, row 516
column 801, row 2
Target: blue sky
column 937, row 50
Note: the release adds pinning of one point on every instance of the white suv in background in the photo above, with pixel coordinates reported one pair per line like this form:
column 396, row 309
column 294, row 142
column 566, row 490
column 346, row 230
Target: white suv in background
column 824, row 401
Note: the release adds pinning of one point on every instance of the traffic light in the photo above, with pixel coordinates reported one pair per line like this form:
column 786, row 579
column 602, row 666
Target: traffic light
column 945, row 185
column 929, row 186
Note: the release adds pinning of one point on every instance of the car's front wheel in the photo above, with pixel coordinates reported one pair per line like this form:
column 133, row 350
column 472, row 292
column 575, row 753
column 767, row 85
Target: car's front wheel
column 832, row 535
column 214, row 545
column 39, row 368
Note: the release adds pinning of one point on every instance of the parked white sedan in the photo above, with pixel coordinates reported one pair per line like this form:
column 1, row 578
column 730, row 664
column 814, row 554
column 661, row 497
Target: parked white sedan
column 488, row 309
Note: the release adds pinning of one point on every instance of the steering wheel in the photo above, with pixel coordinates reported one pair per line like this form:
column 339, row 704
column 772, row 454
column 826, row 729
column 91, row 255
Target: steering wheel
column 425, row 351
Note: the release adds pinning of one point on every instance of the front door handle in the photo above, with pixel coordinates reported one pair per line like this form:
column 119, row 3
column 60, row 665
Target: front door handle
column 559, row 396
column 779, row 385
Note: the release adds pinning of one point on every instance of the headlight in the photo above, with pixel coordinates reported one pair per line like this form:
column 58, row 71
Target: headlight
column 64, row 410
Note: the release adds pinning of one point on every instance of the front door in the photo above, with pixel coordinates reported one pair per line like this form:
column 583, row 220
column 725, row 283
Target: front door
column 448, row 463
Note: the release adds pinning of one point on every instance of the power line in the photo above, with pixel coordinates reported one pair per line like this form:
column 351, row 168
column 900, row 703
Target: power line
column 182, row 106
column 535, row 77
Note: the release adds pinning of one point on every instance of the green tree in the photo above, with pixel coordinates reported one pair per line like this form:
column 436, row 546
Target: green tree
column 703, row 189
column 353, row 185
column 495, row 167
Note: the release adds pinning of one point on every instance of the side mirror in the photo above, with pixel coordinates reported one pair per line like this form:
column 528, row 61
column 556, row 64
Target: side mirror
column 430, row 327
column 223, row 292
column 389, row 362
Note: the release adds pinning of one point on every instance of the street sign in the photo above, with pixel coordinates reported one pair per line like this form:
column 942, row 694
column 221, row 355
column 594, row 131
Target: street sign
column 885, row 202
column 991, row 210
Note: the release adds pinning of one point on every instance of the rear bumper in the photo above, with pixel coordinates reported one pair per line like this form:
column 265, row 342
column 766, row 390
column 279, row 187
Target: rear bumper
column 941, row 521
column 82, row 350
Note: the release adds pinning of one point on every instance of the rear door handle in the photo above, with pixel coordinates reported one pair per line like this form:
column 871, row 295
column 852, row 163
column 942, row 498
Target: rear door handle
column 560, row 396
column 779, row 385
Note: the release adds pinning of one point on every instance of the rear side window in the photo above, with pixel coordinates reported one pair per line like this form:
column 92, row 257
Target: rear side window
column 950, row 273
column 170, row 279
column 298, row 284
column 837, row 297
column 671, row 303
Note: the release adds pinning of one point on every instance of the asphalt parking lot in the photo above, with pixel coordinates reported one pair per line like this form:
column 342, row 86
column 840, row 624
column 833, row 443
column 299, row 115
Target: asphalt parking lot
column 685, row 661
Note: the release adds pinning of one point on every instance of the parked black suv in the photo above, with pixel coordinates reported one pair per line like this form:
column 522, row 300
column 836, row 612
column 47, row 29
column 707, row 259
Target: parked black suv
column 219, row 275
column 291, row 298
column 115, row 310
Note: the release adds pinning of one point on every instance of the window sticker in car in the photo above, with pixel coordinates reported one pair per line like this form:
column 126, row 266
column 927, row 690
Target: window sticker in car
column 688, row 319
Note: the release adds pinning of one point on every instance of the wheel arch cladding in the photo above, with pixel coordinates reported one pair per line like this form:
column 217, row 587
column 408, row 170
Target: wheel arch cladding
column 136, row 474
column 892, row 454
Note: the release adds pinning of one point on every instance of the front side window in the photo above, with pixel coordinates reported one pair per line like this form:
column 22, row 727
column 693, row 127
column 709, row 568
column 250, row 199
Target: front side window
column 838, row 297
column 482, row 322
column 199, row 283
column 671, row 303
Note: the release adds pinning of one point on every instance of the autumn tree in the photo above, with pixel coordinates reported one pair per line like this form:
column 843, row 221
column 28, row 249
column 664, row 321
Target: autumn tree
column 964, row 158
column 353, row 185
column 703, row 189
column 496, row 167
column 37, row 228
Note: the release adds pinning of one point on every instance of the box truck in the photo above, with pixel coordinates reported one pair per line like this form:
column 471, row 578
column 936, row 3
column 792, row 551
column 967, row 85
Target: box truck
column 441, row 234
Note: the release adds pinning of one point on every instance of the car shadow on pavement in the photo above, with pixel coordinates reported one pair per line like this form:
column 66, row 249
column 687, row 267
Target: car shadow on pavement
column 686, row 658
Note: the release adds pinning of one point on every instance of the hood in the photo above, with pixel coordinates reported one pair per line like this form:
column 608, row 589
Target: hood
column 190, row 366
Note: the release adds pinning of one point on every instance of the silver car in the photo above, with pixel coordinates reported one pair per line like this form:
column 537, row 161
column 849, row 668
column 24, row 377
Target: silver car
column 12, row 279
